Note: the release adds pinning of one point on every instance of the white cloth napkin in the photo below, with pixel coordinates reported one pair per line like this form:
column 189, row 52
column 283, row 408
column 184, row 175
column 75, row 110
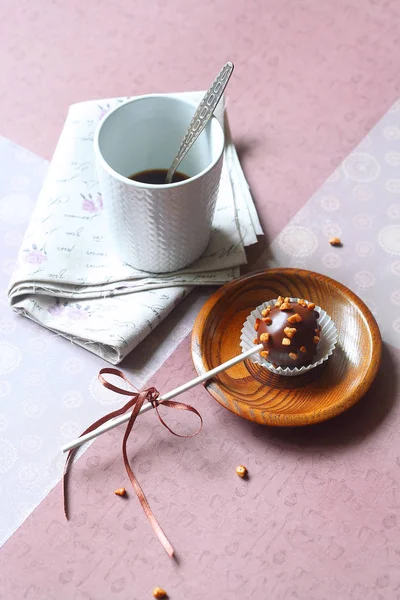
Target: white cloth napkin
column 68, row 277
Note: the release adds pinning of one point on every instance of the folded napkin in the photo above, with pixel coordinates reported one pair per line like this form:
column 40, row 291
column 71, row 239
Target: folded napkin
column 68, row 276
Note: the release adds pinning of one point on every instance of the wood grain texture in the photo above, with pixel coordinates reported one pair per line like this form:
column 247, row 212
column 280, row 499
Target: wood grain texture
column 254, row 393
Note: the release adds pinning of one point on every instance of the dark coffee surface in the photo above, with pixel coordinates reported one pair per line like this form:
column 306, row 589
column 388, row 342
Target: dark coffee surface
column 157, row 176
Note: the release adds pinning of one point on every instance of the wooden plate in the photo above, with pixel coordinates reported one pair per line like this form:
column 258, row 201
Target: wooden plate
column 254, row 393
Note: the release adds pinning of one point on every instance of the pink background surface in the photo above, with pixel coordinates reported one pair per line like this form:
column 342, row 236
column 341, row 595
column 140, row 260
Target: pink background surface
column 311, row 79
column 321, row 504
column 311, row 76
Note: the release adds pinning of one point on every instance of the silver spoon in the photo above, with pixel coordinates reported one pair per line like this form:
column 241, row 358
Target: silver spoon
column 201, row 117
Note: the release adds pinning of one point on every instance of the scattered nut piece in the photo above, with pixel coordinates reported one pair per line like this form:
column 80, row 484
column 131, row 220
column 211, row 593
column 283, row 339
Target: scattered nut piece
column 279, row 302
column 302, row 302
column 287, row 299
column 285, row 342
column 257, row 324
column 255, row 341
column 264, row 337
column 120, row 492
column 315, row 339
column 267, row 320
column 159, row 593
column 241, row 471
column 335, row 241
column 303, row 349
column 264, row 353
column 311, row 306
column 266, row 311
column 285, row 306
column 290, row 332
column 316, row 331
column 293, row 355
column 296, row 318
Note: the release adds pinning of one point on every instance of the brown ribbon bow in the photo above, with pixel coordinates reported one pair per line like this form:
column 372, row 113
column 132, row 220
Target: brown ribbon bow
column 136, row 402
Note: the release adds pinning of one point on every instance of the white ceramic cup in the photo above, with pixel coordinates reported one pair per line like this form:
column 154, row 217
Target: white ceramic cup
column 157, row 228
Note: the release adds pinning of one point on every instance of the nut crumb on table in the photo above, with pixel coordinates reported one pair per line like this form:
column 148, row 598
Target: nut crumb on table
column 159, row 593
column 335, row 241
column 241, row 471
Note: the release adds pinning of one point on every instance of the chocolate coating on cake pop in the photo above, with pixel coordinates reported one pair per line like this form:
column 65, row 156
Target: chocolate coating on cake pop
column 292, row 340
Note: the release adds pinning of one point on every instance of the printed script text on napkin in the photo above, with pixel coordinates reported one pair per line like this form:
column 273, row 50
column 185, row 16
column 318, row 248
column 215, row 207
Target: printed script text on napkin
column 68, row 277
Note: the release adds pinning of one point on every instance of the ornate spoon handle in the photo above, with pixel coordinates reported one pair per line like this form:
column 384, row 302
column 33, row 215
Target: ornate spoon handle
column 202, row 115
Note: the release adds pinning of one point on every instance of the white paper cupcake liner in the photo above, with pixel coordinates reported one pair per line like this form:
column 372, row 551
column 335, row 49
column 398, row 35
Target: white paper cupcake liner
column 326, row 346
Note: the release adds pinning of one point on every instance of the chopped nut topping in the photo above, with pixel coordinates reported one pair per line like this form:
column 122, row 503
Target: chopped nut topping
column 120, row 492
column 285, row 342
column 266, row 311
column 241, row 471
column 255, row 341
column 285, row 306
column 293, row 355
column 311, row 306
column 302, row 302
column 287, row 299
column 267, row 320
column 335, row 241
column 279, row 302
column 316, row 331
column 159, row 593
column 296, row 318
column 290, row 331
column 264, row 337
column 257, row 324
column 315, row 339
column 264, row 353
column 303, row 349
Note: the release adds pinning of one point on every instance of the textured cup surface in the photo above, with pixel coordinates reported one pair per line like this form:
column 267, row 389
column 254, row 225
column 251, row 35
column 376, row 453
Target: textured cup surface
column 158, row 228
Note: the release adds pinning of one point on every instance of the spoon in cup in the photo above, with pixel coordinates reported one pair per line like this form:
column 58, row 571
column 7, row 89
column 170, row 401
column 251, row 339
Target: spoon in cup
column 201, row 117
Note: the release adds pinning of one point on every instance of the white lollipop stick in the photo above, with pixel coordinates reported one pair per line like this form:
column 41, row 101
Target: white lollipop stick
column 168, row 396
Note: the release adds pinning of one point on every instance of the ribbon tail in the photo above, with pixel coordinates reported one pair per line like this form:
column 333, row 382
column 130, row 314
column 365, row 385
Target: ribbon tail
column 93, row 426
column 135, row 484
column 136, row 402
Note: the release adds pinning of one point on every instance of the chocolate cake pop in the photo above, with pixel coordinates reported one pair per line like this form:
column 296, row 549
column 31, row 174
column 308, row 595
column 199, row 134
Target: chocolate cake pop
column 289, row 332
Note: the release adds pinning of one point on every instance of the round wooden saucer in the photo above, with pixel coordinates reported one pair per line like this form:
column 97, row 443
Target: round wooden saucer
column 254, row 393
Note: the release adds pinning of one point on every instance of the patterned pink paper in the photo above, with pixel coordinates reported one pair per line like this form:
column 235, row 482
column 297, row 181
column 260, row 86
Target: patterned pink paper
column 318, row 519
column 359, row 203
column 311, row 78
column 320, row 504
